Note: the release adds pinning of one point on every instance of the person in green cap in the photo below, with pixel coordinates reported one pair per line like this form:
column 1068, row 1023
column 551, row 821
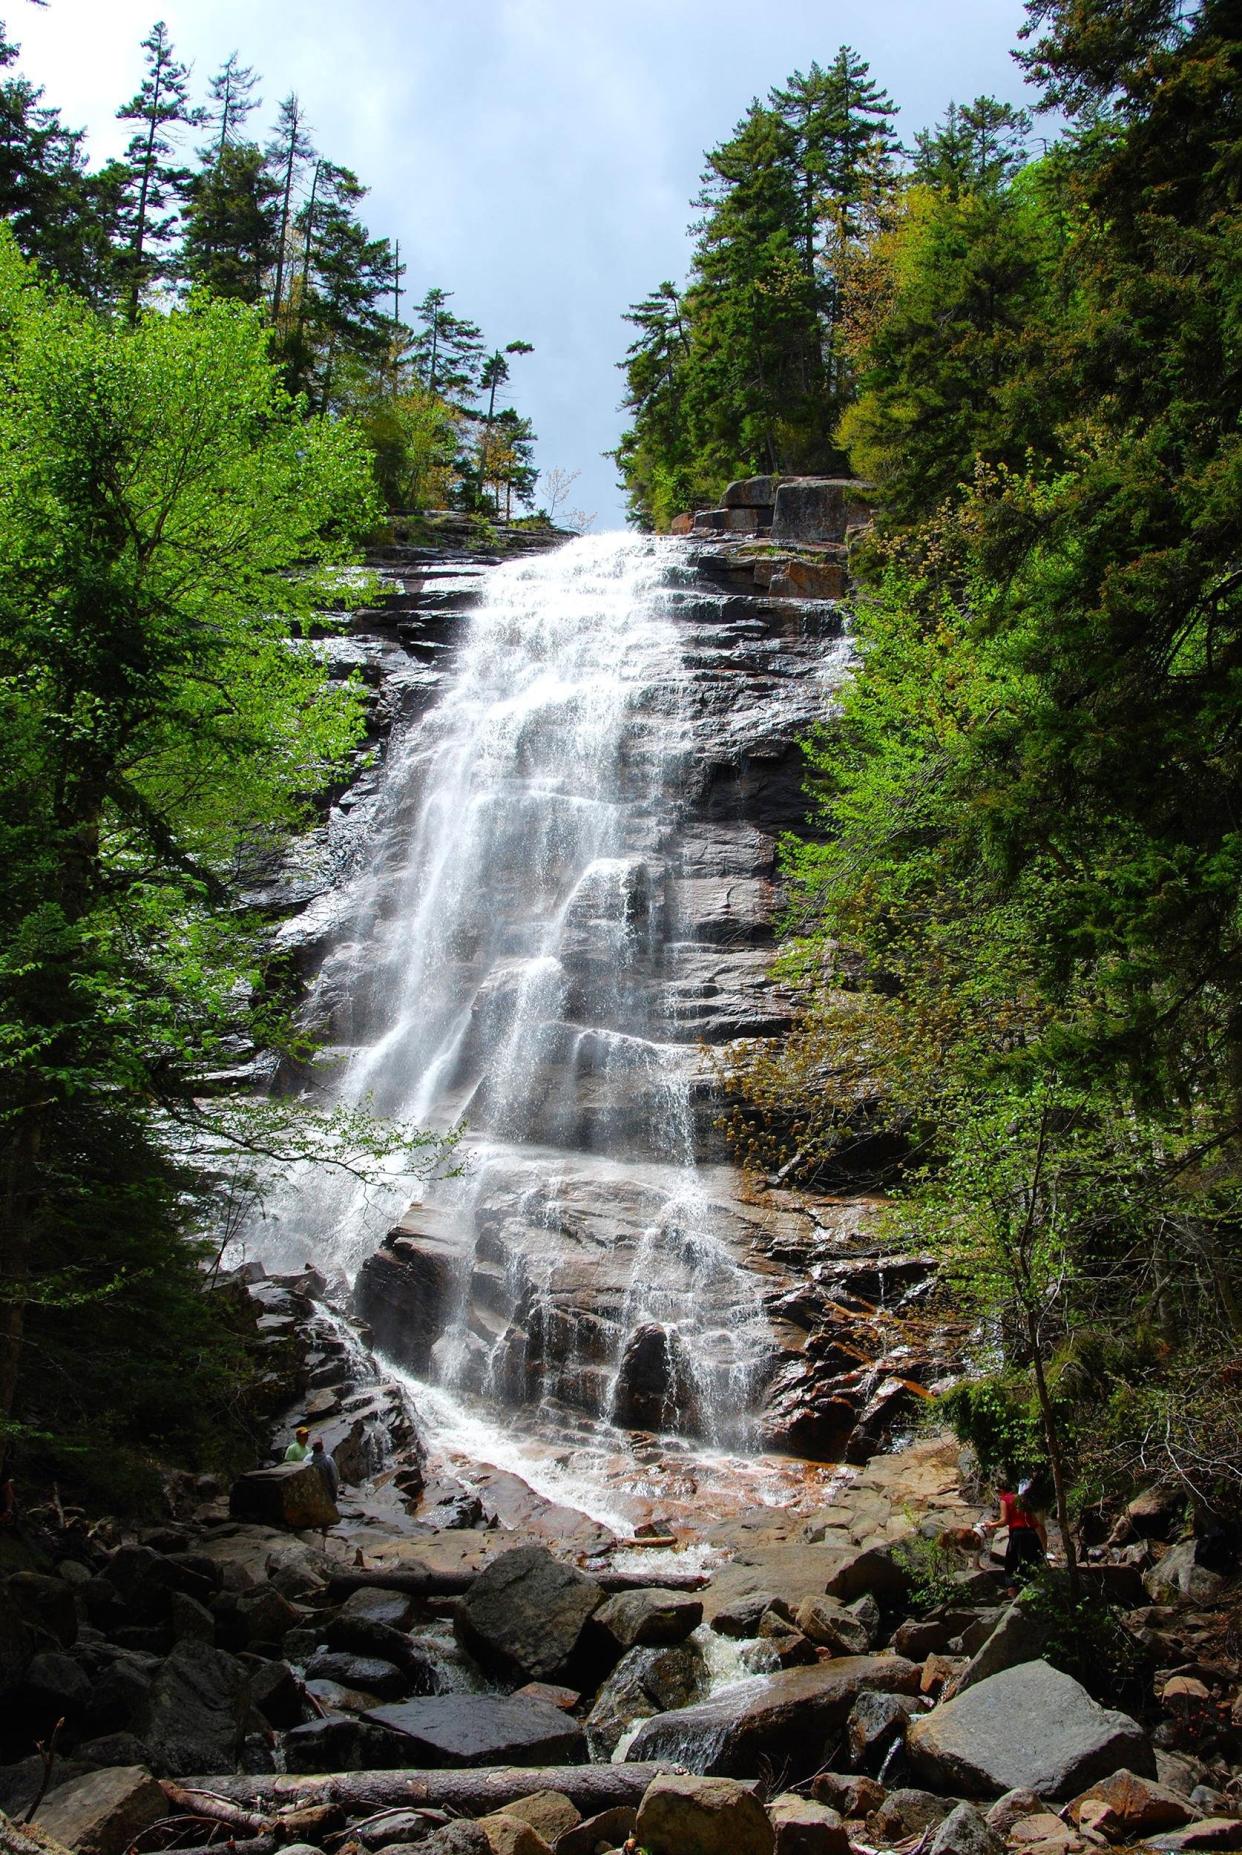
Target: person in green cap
column 299, row 1448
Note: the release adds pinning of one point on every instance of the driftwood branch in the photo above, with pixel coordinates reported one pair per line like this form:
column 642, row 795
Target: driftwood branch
column 27, row 1839
column 216, row 1809
column 591, row 1788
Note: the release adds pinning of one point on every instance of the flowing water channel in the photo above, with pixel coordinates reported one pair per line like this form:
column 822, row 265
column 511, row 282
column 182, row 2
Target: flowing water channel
column 507, row 966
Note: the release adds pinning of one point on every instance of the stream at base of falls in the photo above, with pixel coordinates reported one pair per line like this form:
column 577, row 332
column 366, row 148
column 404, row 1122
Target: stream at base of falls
column 520, row 948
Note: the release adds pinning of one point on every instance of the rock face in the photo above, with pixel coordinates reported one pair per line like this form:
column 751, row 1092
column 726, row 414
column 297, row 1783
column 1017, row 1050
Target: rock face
column 617, row 930
column 1029, row 1728
column 818, row 508
column 526, row 1613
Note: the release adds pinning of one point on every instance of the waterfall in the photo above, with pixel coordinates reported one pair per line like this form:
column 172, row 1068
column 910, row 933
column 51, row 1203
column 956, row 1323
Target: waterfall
column 505, row 967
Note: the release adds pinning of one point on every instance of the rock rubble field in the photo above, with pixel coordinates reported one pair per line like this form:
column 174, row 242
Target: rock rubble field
column 270, row 1670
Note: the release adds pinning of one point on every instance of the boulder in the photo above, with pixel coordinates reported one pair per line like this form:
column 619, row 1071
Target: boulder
column 682, row 524
column 1213, row 1832
column 906, row 1812
column 373, row 1605
column 344, row 1745
column 453, row 1730
column 849, row 1796
column 751, row 493
column 405, row 1290
column 103, row 1812
column 876, row 1724
column 702, row 1816
column 607, row 1830
column 17, row 1647
column 277, row 1693
column 802, row 1827
column 524, row 1615
column 454, row 1839
column 832, row 1626
column 549, row 1812
column 784, row 1717
column 44, row 1603
column 1129, row 1808
column 291, row 1494
column 1011, row 1808
column 828, row 579
column 1043, row 1834
column 365, row 1673
column 1020, row 1636
column 964, row 1832
column 197, row 1712
column 872, row 1572
column 56, row 1686
column 1179, row 1574
column 818, row 508
column 647, row 1618
column 644, row 1682
column 509, row 1835
column 1029, row 1727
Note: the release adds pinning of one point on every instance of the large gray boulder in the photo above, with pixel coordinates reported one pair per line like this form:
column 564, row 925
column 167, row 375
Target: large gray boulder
column 1030, row 1728
column 452, row 1730
column 751, row 493
column 702, row 1816
column 784, row 1717
column 1020, row 1636
column 524, row 1615
column 197, row 1712
column 818, row 508
column 644, row 1682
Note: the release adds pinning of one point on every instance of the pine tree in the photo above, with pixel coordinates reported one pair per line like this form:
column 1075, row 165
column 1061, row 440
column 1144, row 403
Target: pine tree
column 447, row 350
column 153, row 185
column 231, row 224
column 232, row 101
column 287, row 153
column 56, row 209
column 980, row 145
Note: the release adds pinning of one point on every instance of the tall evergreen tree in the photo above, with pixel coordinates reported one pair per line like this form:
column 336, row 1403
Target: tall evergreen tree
column 154, row 185
column 60, row 214
column 232, row 224
column 979, row 145
column 287, row 153
column 447, row 350
column 232, row 101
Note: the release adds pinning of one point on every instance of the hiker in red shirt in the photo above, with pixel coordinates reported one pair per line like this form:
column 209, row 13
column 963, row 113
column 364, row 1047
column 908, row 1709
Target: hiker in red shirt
column 1028, row 1536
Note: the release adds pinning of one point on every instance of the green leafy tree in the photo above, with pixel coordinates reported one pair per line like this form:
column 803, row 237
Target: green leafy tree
column 165, row 518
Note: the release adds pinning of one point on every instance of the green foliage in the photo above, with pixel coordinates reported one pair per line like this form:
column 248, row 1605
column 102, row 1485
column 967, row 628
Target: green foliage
column 1087, row 1639
column 169, row 524
column 1017, row 923
column 929, row 1564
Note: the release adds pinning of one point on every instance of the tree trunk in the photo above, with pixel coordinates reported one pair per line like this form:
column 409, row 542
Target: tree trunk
column 591, row 1788
column 1052, row 1438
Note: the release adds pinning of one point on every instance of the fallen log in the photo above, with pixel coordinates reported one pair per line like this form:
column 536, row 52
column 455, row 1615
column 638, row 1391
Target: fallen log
column 210, row 1804
column 591, row 1788
column 417, row 1581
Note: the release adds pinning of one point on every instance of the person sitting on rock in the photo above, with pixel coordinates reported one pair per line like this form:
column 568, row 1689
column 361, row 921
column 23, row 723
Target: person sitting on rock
column 299, row 1448
column 1028, row 1536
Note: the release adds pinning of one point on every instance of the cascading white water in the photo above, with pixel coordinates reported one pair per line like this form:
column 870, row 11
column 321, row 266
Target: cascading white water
column 502, row 946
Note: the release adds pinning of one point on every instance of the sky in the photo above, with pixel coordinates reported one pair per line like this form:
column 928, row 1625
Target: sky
column 535, row 157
